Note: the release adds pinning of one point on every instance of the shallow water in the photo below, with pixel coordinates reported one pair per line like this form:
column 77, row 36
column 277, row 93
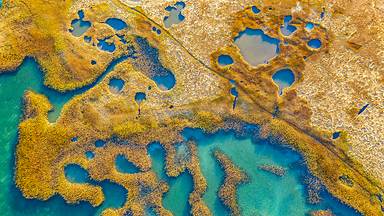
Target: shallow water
column 76, row 174
column 79, row 26
column 149, row 63
column 283, row 78
column 176, row 199
column 287, row 29
column 123, row 165
column 256, row 47
column 265, row 193
column 175, row 14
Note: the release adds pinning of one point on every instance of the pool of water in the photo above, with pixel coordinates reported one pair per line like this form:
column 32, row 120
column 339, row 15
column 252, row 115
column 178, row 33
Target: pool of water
column 115, row 196
column 89, row 155
column 265, row 193
column 148, row 62
column 106, row 46
column 256, row 47
column 116, row 24
column 76, row 174
column 309, row 26
column 283, row 78
column 363, row 109
column 225, row 60
column 287, row 29
column 79, row 26
column 116, row 85
column 100, row 143
column 175, row 14
column 255, row 10
column 314, row 43
column 234, row 93
column 125, row 166
column 140, row 97
column 176, row 199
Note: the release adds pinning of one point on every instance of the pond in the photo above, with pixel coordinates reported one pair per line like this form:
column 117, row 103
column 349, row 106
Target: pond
column 79, row 26
column 123, row 165
column 116, row 24
column 314, row 43
column 76, row 174
column 287, row 29
column 149, row 63
column 256, row 47
column 283, row 78
column 116, row 85
column 175, row 14
column 225, row 60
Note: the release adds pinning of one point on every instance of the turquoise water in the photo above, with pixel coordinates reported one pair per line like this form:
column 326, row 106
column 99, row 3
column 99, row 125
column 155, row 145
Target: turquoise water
column 176, row 199
column 76, row 174
column 225, row 60
column 309, row 26
column 283, row 78
column 266, row 193
column 256, row 47
column 123, row 165
column 90, row 155
column 116, row 24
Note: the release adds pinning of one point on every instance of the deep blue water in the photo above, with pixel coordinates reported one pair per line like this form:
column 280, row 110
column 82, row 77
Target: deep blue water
column 363, row 109
column 116, row 24
column 106, row 46
column 148, row 62
column 225, row 60
column 123, row 165
column 140, row 96
column 90, row 155
column 255, row 10
column 283, row 78
column 257, row 47
column 314, row 43
column 336, row 135
column 100, row 143
column 116, row 85
column 87, row 39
